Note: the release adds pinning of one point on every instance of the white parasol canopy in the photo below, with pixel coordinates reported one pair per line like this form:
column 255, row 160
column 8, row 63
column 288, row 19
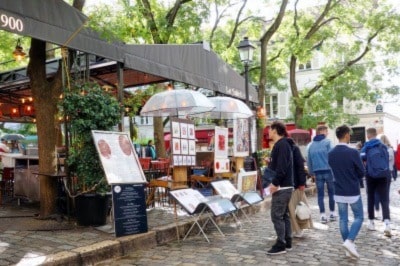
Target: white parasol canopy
column 227, row 108
column 177, row 103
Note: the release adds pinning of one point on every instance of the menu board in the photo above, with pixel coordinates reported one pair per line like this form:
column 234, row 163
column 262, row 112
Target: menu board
column 183, row 142
column 118, row 157
column 129, row 208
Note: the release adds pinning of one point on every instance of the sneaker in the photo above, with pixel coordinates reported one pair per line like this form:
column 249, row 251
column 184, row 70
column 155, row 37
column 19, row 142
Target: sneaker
column 371, row 226
column 351, row 248
column 332, row 217
column 387, row 232
column 298, row 235
column 347, row 254
column 277, row 249
column 323, row 220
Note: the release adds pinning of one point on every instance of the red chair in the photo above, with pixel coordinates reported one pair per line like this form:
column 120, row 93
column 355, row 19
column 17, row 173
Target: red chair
column 145, row 162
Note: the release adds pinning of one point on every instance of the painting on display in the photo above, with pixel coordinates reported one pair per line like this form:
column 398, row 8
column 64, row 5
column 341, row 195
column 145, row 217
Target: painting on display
column 240, row 137
column 183, row 142
column 221, row 142
column 247, row 181
column 176, row 130
column 191, row 132
column 176, row 146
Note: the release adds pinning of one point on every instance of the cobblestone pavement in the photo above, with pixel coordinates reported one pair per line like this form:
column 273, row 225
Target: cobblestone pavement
column 319, row 246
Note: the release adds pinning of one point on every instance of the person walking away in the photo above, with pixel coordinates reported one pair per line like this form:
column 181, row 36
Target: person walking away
column 385, row 140
column 150, row 151
column 281, row 187
column 376, row 156
column 317, row 162
column 348, row 171
column 298, row 195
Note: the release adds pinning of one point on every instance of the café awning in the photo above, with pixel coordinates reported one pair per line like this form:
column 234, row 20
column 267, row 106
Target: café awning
column 194, row 64
column 59, row 23
column 56, row 22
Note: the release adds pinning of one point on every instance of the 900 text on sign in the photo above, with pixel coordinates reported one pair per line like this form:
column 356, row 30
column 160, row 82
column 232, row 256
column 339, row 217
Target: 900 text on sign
column 11, row 22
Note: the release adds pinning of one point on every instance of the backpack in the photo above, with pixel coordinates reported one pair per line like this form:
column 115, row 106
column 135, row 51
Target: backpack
column 378, row 162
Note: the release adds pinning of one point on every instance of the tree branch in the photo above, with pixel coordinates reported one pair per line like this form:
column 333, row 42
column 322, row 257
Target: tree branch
column 345, row 67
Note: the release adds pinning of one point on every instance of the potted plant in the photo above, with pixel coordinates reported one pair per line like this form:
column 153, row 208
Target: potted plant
column 88, row 107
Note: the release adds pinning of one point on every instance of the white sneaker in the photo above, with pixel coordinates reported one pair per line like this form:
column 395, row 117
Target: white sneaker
column 298, row 235
column 351, row 248
column 387, row 232
column 371, row 226
column 323, row 220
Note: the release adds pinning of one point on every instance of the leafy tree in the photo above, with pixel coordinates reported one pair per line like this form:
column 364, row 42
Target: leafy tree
column 349, row 35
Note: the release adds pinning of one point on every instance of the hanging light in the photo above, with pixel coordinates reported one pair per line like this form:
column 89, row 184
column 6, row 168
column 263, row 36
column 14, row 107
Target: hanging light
column 18, row 53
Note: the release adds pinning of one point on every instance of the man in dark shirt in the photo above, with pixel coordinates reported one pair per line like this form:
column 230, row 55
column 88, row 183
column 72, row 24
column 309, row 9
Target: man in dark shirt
column 281, row 187
column 348, row 171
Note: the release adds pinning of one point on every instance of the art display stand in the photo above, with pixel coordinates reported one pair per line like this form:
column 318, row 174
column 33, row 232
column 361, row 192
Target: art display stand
column 225, row 189
column 199, row 206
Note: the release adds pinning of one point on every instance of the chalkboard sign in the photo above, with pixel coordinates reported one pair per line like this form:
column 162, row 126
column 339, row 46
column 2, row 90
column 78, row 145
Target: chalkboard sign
column 129, row 208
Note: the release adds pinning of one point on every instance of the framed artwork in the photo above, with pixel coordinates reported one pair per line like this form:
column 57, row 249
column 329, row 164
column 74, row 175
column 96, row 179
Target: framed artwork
column 221, row 142
column 221, row 165
column 184, row 130
column 191, row 132
column 192, row 147
column 176, row 146
column 176, row 130
column 184, row 146
column 247, row 181
column 240, row 137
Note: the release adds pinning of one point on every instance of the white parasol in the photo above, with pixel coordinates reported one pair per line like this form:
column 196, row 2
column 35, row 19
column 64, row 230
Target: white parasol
column 177, row 103
column 227, row 108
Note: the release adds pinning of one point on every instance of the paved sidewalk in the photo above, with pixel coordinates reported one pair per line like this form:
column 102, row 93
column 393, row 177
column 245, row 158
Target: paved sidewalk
column 25, row 240
column 248, row 246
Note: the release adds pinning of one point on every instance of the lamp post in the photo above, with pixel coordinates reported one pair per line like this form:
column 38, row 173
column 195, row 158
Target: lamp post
column 246, row 50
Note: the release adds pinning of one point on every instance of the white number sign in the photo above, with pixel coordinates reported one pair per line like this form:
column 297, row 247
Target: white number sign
column 11, row 22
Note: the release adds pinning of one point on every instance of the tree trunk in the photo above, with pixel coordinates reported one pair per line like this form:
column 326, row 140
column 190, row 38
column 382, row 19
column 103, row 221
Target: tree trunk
column 159, row 137
column 45, row 95
column 298, row 115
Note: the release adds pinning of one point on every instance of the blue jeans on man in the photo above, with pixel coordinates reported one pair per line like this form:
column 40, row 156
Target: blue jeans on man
column 320, row 179
column 357, row 209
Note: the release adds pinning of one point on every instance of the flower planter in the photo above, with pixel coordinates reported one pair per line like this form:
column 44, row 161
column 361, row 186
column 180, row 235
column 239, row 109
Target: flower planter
column 92, row 209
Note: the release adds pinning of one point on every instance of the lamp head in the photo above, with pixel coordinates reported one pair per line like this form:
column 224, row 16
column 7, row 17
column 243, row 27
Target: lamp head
column 246, row 49
column 18, row 53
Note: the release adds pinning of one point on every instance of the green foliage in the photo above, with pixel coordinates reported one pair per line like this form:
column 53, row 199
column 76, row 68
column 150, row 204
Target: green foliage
column 88, row 107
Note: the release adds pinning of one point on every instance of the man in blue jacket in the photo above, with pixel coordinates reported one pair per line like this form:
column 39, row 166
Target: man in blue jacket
column 348, row 171
column 317, row 163
column 281, row 187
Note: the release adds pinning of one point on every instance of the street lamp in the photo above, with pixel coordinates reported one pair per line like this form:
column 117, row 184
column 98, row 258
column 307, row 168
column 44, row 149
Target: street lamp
column 246, row 50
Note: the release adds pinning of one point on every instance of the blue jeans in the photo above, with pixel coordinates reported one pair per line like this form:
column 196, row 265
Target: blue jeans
column 321, row 179
column 280, row 214
column 357, row 208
